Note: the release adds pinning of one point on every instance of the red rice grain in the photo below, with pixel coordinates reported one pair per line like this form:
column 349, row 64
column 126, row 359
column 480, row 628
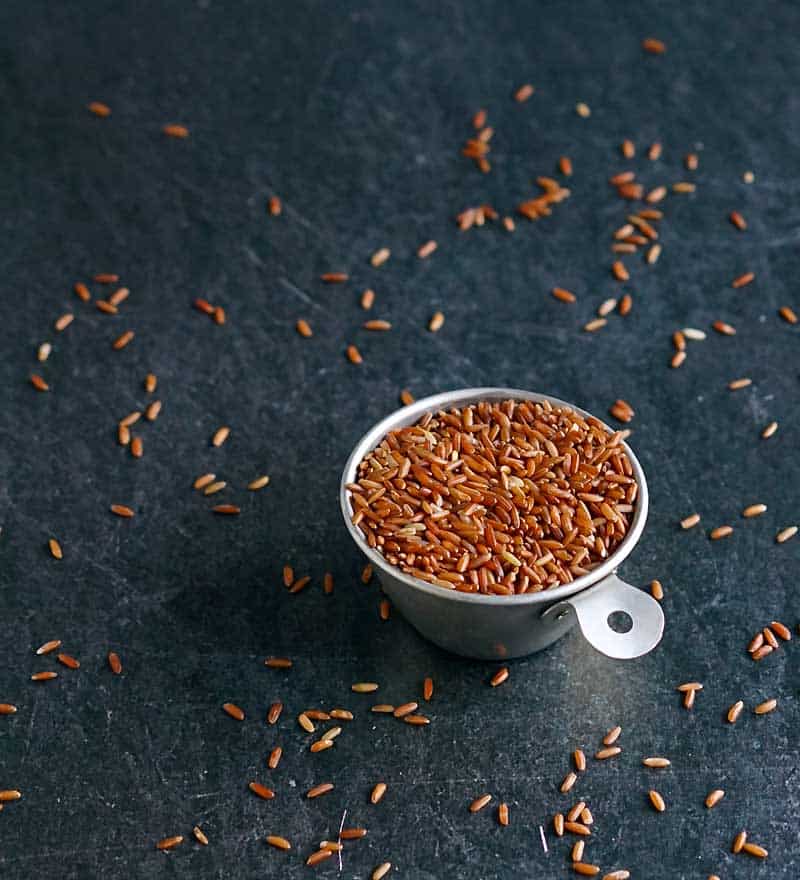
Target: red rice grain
column 204, row 480
column 568, row 782
column 425, row 250
column 653, row 46
column 523, row 93
column 367, row 299
column 577, row 828
column 233, row 710
column 690, row 521
column 278, row 663
column 220, row 435
column 262, row 791
column 114, row 663
column 68, row 661
column 788, row 314
column 479, row 803
column 609, row 752
column 119, row 296
column 743, row 280
column 499, row 677
column 436, row 322
column 502, row 814
column 278, row 842
column 48, row 647
column 594, row 325
column 380, row 256
column 782, row 630
column 766, row 707
column 121, row 341
column 657, row 762
column 720, row 532
column 619, row 271
column 176, row 131
column 319, row 856
column 317, row 790
column 169, row 843
column 352, row 833
column 98, row 108
column 738, row 220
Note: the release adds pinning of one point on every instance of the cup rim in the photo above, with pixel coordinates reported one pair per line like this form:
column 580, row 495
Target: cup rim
column 407, row 415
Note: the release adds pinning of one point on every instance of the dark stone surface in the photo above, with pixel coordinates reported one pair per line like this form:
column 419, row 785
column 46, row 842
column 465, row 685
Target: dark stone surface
column 355, row 114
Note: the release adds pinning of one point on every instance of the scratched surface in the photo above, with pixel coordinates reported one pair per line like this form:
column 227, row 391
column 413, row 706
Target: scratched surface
column 355, row 113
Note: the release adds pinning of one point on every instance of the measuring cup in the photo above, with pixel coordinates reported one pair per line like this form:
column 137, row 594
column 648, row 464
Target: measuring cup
column 491, row 627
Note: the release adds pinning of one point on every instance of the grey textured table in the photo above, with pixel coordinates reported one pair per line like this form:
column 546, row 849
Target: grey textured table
column 355, row 115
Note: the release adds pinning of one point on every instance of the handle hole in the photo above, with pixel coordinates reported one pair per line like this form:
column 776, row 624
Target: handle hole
column 620, row 621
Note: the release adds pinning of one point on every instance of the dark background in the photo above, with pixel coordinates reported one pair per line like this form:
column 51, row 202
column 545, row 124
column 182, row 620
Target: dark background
column 355, row 113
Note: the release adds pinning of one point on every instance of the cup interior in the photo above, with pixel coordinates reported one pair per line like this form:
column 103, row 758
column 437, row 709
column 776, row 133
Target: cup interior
column 408, row 415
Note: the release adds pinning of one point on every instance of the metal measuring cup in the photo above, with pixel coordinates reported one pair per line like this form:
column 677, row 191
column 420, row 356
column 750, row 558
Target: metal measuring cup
column 490, row 627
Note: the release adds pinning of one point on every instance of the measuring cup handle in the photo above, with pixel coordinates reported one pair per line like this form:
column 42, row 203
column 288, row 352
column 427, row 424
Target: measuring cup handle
column 593, row 607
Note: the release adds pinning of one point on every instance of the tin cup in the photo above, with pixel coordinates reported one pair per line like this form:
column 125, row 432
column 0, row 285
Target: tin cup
column 490, row 627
